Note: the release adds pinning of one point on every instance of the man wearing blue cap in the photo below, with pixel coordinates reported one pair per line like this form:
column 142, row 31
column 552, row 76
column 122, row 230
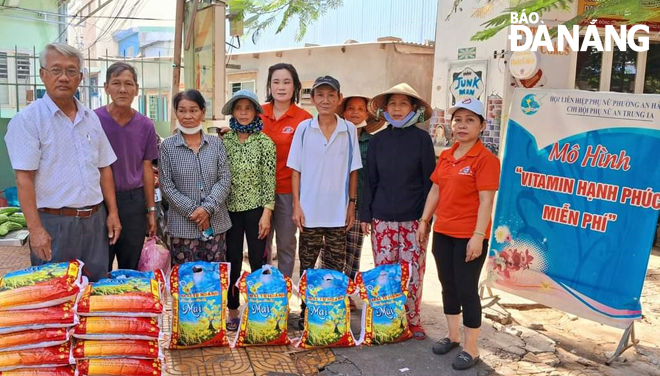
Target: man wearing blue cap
column 324, row 157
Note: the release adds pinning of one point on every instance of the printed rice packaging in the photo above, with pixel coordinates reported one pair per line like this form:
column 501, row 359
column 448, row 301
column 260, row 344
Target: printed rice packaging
column 264, row 319
column 199, row 304
column 30, row 339
column 328, row 315
column 119, row 367
column 158, row 275
column 114, row 328
column 41, row 286
column 52, row 356
column 384, row 289
column 44, row 371
column 127, row 348
column 134, row 297
column 61, row 316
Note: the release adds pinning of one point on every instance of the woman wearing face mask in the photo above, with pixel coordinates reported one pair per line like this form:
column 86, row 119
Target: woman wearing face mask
column 251, row 201
column 281, row 117
column 400, row 160
column 194, row 177
column 464, row 185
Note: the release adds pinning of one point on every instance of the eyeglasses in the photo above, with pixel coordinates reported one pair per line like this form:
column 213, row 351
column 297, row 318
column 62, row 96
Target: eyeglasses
column 57, row 72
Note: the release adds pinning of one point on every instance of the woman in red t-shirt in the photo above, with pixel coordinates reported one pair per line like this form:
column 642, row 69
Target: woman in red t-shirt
column 281, row 117
column 465, row 180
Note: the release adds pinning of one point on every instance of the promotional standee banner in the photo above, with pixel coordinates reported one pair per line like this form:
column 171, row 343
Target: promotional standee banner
column 578, row 202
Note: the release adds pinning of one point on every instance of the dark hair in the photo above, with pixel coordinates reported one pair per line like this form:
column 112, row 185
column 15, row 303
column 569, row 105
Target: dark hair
column 297, row 85
column 117, row 68
column 191, row 95
column 344, row 103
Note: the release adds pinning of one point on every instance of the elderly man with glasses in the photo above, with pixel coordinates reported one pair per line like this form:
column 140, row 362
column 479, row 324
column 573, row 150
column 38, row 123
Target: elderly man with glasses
column 62, row 160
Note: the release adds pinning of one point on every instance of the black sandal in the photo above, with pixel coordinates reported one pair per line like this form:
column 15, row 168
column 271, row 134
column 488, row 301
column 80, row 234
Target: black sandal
column 444, row 346
column 464, row 361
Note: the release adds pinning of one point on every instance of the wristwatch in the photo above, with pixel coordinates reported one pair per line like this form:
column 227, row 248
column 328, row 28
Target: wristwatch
column 151, row 209
column 353, row 200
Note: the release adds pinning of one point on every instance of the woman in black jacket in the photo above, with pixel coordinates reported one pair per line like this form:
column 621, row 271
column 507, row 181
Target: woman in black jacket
column 400, row 161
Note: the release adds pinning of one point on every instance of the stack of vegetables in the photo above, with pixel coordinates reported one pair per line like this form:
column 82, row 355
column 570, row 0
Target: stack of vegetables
column 11, row 220
column 120, row 325
column 37, row 313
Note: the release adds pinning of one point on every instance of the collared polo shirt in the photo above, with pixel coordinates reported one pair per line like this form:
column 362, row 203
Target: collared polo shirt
column 325, row 167
column 66, row 155
column 460, row 181
column 281, row 132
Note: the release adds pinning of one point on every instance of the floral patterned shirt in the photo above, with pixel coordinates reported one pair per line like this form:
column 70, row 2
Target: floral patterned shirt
column 252, row 167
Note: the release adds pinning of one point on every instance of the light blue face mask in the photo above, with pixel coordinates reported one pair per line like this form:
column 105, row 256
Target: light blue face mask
column 410, row 119
column 399, row 123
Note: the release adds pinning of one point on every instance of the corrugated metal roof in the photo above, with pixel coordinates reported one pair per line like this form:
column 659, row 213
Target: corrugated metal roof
column 413, row 21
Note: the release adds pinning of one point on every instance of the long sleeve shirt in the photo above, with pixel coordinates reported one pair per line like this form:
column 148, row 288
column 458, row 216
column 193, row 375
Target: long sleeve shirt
column 252, row 166
column 400, row 163
column 189, row 180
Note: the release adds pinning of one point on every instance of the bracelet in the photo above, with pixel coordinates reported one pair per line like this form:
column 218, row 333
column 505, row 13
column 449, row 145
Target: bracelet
column 353, row 200
column 424, row 220
column 479, row 233
column 151, row 209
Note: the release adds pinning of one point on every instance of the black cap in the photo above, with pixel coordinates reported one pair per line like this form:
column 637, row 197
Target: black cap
column 326, row 80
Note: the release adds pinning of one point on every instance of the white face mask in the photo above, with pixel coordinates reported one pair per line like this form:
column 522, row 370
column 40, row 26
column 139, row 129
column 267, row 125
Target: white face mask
column 188, row 130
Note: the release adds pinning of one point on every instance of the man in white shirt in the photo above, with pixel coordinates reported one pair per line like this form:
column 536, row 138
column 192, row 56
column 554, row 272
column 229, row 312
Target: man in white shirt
column 324, row 157
column 62, row 160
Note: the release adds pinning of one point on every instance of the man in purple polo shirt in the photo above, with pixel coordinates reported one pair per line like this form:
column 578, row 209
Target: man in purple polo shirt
column 133, row 139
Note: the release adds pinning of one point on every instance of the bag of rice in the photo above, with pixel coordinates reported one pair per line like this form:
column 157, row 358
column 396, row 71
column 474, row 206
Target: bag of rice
column 199, row 304
column 134, row 297
column 52, row 356
column 384, row 289
column 41, row 286
column 46, row 371
column 328, row 316
column 264, row 318
column 158, row 275
column 31, row 339
column 104, row 328
column 125, row 348
column 119, row 367
column 61, row 316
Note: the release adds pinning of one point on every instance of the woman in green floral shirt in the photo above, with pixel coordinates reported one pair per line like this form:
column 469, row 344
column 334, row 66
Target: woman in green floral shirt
column 251, row 156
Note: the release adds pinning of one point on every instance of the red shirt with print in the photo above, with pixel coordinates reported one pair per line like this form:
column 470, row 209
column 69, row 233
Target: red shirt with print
column 281, row 132
column 460, row 181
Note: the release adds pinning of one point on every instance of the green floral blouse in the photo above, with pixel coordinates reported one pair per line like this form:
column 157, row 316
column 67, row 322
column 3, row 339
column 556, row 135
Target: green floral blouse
column 252, row 168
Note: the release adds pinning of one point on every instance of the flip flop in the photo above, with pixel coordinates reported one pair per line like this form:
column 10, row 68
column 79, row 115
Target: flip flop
column 232, row 324
column 418, row 332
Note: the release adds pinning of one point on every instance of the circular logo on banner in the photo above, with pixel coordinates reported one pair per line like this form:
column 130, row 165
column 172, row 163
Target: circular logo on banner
column 524, row 64
column 530, row 104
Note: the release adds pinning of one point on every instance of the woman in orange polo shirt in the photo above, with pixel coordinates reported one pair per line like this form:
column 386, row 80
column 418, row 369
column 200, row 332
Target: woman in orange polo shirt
column 465, row 180
column 281, row 117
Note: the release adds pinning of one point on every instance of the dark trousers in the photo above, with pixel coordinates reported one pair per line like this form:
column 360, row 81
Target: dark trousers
column 330, row 242
column 133, row 217
column 245, row 223
column 459, row 279
column 85, row 239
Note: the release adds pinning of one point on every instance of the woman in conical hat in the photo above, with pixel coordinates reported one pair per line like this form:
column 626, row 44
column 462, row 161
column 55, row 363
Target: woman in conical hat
column 400, row 161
